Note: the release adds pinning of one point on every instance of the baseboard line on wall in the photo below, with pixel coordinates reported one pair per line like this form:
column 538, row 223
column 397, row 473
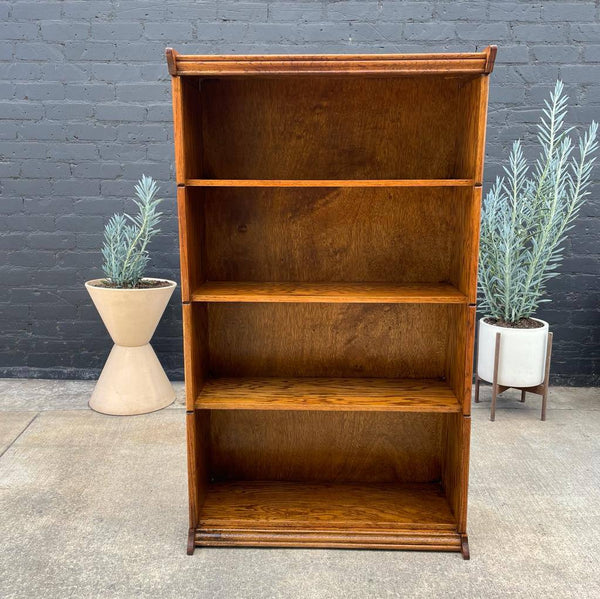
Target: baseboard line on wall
column 80, row 374
column 175, row 374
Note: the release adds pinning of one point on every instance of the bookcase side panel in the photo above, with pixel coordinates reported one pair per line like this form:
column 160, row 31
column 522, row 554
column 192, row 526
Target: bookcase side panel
column 465, row 248
column 471, row 145
column 187, row 127
column 482, row 111
column 198, row 452
column 190, row 209
column 455, row 467
column 459, row 354
column 195, row 350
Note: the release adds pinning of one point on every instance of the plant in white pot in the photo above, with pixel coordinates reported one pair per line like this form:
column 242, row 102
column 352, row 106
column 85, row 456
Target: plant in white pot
column 131, row 305
column 525, row 220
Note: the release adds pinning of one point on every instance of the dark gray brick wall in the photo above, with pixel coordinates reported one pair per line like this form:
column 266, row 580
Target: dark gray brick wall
column 84, row 111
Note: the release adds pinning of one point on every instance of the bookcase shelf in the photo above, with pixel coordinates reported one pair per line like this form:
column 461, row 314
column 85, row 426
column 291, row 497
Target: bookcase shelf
column 279, row 513
column 328, row 221
column 397, row 236
column 329, row 183
column 322, row 394
column 362, row 293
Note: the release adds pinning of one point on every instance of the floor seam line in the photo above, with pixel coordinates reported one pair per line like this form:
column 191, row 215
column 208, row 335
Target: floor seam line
column 19, row 435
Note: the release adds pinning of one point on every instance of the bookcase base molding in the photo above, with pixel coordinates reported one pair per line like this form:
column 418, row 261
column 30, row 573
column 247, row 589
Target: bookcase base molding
column 329, row 225
column 340, row 515
column 414, row 540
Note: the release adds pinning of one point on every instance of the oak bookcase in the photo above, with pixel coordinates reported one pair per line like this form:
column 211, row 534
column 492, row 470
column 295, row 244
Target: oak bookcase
column 329, row 220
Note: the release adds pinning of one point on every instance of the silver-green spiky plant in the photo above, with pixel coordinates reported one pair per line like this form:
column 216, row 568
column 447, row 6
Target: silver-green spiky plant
column 528, row 213
column 126, row 237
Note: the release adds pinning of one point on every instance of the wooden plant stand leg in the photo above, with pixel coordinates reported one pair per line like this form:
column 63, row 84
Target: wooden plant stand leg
column 541, row 389
column 546, row 376
column 495, row 386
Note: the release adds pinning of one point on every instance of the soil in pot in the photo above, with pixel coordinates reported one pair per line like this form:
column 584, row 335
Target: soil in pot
column 523, row 323
column 143, row 284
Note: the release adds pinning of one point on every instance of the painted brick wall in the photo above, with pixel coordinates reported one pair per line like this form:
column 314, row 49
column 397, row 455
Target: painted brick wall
column 84, row 111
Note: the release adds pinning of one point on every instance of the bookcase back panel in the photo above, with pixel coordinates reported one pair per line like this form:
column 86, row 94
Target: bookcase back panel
column 337, row 128
column 340, row 234
column 328, row 340
column 316, row 446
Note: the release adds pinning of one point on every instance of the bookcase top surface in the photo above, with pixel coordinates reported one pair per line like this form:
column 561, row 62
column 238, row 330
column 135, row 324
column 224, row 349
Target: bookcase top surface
column 475, row 63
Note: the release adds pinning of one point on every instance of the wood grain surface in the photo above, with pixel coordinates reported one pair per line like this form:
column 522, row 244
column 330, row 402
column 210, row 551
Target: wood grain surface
column 417, row 540
column 346, row 128
column 398, row 235
column 459, row 354
column 329, row 183
column 363, row 65
column 329, row 223
column 455, row 466
column 326, row 505
column 399, row 395
column 463, row 260
column 187, row 122
column 328, row 340
column 195, row 350
column 344, row 293
column 326, row 446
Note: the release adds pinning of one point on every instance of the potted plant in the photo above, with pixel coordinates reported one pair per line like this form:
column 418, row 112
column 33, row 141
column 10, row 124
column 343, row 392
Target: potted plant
column 526, row 217
column 131, row 305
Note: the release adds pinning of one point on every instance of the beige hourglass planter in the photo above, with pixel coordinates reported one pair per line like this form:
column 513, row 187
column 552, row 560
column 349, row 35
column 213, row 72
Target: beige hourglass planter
column 132, row 381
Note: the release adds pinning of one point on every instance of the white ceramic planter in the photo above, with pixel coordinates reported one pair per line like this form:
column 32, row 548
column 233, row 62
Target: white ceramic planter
column 132, row 381
column 522, row 354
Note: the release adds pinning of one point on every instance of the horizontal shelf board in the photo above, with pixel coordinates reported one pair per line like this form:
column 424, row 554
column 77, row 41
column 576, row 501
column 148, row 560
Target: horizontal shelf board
column 327, row 394
column 357, row 293
column 330, row 182
column 312, row 507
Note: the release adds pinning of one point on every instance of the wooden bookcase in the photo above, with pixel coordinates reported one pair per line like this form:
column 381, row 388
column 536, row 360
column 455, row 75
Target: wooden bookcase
column 329, row 219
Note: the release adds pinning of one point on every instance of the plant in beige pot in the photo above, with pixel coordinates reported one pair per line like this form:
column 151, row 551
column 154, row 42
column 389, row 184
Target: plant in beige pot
column 526, row 217
column 131, row 305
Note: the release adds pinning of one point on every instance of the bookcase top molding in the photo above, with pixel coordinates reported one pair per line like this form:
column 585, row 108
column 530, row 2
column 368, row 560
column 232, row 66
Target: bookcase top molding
column 475, row 63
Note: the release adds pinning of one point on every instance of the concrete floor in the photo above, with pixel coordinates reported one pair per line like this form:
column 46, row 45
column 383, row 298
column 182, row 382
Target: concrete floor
column 95, row 506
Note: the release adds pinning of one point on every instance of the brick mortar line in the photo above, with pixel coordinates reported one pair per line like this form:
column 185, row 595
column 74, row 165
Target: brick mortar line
column 108, row 53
